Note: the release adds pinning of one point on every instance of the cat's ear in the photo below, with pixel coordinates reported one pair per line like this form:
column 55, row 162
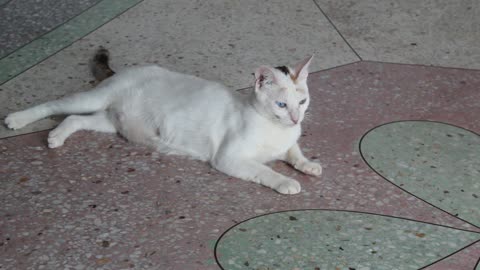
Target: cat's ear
column 301, row 69
column 264, row 75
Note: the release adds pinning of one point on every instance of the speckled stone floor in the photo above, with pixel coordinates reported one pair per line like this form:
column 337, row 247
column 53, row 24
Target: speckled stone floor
column 399, row 142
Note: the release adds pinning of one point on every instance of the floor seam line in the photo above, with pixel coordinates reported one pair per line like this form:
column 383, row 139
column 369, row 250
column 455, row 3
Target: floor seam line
column 418, row 65
column 63, row 48
column 51, row 30
column 338, row 31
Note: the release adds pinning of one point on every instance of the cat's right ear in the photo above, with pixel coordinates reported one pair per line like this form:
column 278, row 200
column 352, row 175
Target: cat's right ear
column 301, row 69
column 264, row 75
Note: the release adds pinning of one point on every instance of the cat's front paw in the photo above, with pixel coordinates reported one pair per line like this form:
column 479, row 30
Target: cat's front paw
column 289, row 186
column 17, row 120
column 309, row 167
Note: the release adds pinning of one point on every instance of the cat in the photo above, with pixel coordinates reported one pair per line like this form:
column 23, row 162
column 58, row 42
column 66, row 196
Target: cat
column 185, row 115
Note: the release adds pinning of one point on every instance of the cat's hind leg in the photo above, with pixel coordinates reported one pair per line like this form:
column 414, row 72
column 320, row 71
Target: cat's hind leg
column 84, row 102
column 96, row 122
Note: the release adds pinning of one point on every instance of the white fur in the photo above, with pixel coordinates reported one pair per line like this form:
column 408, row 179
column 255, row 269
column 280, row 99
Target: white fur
column 182, row 114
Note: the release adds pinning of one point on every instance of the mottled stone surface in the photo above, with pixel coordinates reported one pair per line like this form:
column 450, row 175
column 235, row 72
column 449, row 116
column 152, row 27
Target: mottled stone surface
column 458, row 260
column 443, row 32
column 24, row 20
column 323, row 239
column 219, row 40
column 436, row 162
column 100, row 202
column 39, row 49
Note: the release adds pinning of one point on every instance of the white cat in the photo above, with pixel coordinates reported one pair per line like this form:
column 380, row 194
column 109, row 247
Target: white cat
column 186, row 115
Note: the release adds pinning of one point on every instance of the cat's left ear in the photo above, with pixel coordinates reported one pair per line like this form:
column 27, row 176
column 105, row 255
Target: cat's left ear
column 264, row 75
column 301, row 69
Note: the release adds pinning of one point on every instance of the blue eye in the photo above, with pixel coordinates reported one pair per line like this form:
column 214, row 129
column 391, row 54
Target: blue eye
column 281, row 104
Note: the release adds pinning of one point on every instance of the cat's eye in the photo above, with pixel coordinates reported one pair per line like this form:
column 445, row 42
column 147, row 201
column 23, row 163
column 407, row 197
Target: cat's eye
column 303, row 101
column 281, row 104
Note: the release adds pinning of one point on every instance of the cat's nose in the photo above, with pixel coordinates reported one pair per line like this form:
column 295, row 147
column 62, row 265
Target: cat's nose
column 294, row 120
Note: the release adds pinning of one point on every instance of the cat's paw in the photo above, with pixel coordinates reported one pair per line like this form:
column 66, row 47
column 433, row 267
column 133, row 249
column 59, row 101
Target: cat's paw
column 309, row 167
column 17, row 120
column 56, row 137
column 289, row 186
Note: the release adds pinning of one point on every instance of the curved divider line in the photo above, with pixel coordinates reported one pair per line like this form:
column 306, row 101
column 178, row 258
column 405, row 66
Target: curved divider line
column 450, row 255
column 61, row 37
column 404, row 190
column 350, row 211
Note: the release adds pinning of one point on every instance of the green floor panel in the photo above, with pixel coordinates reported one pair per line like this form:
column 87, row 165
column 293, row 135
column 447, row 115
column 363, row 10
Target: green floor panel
column 64, row 35
column 328, row 239
column 436, row 162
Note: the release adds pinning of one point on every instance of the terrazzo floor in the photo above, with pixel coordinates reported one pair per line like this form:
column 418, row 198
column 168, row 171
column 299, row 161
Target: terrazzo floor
column 399, row 143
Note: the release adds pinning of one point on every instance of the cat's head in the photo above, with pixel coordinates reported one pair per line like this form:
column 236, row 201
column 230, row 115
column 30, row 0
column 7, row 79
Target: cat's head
column 282, row 92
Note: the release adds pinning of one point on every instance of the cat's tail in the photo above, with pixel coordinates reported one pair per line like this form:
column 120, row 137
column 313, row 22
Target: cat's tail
column 100, row 68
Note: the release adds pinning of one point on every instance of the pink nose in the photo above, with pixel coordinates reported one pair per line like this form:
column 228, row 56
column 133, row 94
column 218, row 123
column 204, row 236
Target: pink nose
column 293, row 117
